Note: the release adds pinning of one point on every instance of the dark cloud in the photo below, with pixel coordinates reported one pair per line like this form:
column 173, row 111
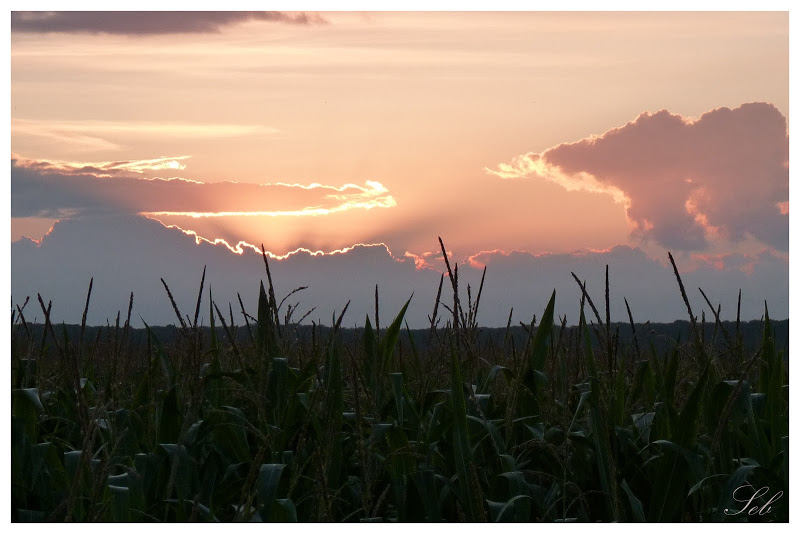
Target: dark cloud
column 684, row 182
column 46, row 190
column 128, row 253
column 146, row 22
column 524, row 281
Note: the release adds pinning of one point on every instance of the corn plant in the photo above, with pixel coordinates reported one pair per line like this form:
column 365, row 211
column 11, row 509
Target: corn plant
column 271, row 421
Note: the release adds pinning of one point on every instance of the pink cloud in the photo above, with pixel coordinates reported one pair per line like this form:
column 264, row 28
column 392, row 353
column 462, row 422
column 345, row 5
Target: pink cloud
column 683, row 182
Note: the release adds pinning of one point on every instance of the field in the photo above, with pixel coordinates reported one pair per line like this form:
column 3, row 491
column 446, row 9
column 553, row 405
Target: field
column 266, row 421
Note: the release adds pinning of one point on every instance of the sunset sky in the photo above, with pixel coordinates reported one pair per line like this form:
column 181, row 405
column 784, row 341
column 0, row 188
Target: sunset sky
column 534, row 143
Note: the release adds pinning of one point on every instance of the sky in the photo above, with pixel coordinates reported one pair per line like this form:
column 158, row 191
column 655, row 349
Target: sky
column 535, row 144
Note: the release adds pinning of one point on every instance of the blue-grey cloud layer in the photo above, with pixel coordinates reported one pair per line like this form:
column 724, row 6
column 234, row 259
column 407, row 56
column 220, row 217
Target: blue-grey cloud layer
column 127, row 253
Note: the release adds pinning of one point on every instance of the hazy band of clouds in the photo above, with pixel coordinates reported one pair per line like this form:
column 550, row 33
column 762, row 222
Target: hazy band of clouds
column 147, row 22
column 683, row 182
column 62, row 189
column 101, row 169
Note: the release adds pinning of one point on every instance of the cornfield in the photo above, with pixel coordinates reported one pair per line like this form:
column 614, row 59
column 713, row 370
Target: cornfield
column 571, row 425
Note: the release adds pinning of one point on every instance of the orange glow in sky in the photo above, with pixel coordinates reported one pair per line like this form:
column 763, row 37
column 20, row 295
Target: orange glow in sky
column 486, row 128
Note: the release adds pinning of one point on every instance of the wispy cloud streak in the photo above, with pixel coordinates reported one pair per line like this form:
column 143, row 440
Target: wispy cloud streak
column 102, row 169
column 57, row 189
column 91, row 135
column 147, row 22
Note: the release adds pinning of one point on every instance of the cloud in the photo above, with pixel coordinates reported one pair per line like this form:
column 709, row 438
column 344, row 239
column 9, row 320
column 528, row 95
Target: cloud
column 524, row 280
column 127, row 253
column 93, row 135
column 682, row 182
column 58, row 189
column 744, row 262
column 102, row 169
column 147, row 22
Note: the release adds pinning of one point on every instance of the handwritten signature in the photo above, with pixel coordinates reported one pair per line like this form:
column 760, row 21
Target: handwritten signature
column 749, row 507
